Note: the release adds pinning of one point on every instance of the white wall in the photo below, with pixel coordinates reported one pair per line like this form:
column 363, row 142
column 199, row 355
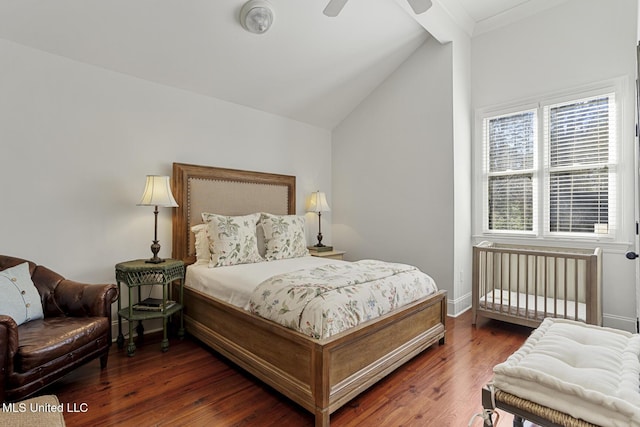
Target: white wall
column 77, row 142
column 580, row 42
column 393, row 169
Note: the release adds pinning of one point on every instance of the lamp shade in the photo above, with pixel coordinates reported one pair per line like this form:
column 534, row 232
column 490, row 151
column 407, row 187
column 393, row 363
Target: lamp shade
column 157, row 192
column 318, row 203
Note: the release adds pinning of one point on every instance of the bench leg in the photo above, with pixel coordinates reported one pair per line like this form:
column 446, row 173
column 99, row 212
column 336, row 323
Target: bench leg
column 487, row 406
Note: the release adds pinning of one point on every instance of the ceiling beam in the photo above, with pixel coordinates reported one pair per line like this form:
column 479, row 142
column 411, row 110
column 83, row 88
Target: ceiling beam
column 444, row 19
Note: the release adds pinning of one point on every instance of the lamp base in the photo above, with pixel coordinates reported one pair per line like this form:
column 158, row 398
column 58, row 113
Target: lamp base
column 322, row 248
column 155, row 259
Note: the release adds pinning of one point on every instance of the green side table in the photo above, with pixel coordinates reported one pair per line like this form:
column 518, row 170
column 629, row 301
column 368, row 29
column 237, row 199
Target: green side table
column 138, row 273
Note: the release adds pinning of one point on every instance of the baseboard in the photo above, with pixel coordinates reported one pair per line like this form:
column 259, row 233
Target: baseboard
column 619, row 322
column 458, row 306
column 150, row 326
column 459, row 313
column 461, row 305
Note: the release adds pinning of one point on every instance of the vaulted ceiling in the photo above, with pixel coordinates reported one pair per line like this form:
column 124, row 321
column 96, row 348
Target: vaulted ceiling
column 307, row 67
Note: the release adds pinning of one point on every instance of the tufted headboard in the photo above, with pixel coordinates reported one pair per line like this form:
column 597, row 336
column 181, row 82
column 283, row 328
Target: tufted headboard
column 223, row 191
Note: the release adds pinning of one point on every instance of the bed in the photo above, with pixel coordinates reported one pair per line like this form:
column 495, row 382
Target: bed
column 323, row 374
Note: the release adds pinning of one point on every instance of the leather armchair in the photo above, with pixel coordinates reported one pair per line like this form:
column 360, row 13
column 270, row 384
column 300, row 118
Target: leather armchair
column 75, row 330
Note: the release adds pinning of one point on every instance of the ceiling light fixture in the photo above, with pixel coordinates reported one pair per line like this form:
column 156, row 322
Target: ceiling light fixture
column 256, row 16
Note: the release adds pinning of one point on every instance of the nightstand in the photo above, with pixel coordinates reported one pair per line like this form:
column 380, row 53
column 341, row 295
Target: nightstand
column 328, row 254
column 138, row 273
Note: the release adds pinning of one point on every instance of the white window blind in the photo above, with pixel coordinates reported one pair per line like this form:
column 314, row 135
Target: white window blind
column 580, row 166
column 562, row 183
column 509, row 158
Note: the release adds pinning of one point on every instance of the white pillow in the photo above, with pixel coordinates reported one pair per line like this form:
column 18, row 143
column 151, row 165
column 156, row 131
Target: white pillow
column 284, row 236
column 19, row 297
column 201, row 243
column 232, row 239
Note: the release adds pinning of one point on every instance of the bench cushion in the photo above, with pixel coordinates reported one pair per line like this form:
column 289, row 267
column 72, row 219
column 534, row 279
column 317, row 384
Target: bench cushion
column 589, row 372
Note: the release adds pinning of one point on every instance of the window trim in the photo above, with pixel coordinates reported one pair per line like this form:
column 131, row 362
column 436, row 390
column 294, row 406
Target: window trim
column 480, row 184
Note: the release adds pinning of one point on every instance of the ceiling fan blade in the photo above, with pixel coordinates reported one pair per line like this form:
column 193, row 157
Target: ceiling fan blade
column 334, row 7
column 420, row 6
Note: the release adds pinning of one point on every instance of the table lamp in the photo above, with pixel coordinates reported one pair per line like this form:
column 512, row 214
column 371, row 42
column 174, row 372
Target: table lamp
column 157, row 192
column 318, row 204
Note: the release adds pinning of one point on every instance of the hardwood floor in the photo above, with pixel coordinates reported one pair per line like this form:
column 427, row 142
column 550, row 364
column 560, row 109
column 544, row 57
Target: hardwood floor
column 192, row 386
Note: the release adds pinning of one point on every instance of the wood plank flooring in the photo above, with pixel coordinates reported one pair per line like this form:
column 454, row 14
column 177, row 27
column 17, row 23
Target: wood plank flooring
column 192, row 386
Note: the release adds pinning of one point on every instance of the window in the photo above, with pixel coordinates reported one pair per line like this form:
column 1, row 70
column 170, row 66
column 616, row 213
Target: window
column 511, row 153
column 554, row 176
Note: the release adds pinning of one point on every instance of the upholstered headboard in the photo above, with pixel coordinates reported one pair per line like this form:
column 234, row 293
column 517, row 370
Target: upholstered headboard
column 222, row 191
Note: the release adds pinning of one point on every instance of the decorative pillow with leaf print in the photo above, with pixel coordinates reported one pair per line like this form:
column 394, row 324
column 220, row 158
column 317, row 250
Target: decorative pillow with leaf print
column 232, row 239
column 284, row 236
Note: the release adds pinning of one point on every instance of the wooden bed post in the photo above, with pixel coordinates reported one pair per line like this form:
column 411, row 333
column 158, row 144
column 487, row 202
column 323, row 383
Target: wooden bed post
column 322, row 417
column 320, row 386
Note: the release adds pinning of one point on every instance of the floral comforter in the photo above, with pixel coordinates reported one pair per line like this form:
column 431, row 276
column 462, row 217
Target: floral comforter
column 323, row 301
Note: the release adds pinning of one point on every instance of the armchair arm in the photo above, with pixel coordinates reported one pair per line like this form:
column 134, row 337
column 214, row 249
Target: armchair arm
column 8, row 349
column 61, row 296
column 81, row 299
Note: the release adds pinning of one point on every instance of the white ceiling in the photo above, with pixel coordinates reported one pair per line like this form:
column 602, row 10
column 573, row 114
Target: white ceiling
column 480, row 10
column 308, row 67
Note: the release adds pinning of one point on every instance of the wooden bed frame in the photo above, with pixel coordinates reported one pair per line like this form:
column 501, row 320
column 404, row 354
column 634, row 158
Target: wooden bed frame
column 320, row 375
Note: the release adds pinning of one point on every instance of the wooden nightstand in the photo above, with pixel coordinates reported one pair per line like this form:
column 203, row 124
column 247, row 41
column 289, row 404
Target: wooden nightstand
column 138, row 273
column 328, row 254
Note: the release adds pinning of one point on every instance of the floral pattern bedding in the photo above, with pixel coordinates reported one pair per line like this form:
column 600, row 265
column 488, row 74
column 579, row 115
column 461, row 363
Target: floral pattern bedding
column 323, row 301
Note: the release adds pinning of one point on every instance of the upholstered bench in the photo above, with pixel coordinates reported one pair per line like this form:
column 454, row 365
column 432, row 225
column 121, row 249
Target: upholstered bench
column 569, row 373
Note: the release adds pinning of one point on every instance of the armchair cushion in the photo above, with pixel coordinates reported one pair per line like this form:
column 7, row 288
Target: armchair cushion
column 19, row 297
column 42, row 341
